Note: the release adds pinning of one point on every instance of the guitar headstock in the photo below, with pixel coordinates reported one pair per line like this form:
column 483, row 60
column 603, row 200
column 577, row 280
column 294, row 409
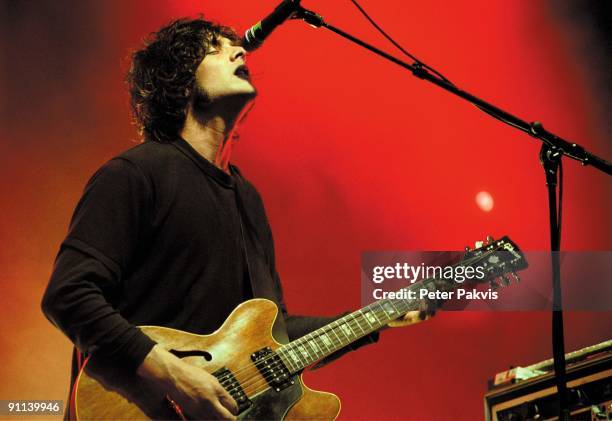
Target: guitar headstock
column 496, row 259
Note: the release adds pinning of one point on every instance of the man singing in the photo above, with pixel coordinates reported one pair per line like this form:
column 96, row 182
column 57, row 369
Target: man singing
column 169, row 233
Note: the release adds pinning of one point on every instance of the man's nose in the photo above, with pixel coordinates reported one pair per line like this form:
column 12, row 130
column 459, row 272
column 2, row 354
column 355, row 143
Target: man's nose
column 239, row 52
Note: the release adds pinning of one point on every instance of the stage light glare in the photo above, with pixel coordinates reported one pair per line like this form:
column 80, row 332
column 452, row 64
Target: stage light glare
column 484, row 201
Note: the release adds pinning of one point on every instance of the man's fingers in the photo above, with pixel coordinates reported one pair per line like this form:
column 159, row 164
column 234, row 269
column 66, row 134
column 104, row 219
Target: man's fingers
column 224, row 413
column 407, row 319
column 412, row 316
column 426, row 314
column 427, row 309
column 227, row 401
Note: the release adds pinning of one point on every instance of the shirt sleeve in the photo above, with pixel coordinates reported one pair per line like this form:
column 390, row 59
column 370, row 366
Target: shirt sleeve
column 107, row 226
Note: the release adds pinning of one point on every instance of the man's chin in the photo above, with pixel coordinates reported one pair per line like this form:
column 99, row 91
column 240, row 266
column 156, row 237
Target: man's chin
column 253, row 92
column 240, row 98
column 248, row 93
column 249, row 88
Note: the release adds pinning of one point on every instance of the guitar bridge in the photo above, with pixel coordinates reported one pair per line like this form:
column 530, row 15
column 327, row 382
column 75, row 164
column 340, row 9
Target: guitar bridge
column 272, row 369
column 233, row 387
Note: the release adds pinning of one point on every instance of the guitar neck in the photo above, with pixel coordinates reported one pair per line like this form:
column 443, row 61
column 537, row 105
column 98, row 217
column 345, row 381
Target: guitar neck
column 496, row 258
column 330, row 338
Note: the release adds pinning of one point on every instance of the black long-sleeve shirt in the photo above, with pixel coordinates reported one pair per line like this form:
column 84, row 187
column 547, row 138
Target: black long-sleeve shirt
column 163, row 237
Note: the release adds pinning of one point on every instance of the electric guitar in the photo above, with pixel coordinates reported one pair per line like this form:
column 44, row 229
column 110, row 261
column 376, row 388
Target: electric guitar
column 262, row 375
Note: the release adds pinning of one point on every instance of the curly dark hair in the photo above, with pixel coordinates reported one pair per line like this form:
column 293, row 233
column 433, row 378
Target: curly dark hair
column 162, row 74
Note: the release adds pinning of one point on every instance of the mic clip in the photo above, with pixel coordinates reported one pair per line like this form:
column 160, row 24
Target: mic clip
column 313, row 19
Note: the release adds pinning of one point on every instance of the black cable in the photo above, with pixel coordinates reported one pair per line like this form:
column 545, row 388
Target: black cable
column 422, row 64
column 560, row 202
column 399, row 47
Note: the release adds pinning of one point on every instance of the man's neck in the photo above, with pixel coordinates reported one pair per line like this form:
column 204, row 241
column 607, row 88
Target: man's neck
column 207, row 137
column 210, row 133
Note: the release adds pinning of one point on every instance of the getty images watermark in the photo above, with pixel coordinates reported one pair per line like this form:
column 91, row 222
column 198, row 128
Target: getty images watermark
column 501, row 278
column 444, row 275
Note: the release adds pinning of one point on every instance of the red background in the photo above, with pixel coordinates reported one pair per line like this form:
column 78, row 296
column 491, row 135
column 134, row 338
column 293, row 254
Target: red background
column 349, row 152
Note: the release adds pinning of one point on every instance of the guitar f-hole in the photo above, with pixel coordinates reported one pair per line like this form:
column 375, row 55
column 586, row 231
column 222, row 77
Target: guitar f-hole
column 194, row 353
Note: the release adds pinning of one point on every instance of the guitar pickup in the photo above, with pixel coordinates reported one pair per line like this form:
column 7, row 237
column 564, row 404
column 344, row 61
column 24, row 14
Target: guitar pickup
column 272, row 369
column 233, row 387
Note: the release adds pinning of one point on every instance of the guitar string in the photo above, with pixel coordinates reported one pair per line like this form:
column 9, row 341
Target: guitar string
column 255, row 387
column 336, row 345
column 251, row 385
column 257, row 379
column 350, row 319
column 468, row 261
column 281, row 353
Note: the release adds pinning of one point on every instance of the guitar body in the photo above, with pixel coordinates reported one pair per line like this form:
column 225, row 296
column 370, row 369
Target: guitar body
column 102, row 392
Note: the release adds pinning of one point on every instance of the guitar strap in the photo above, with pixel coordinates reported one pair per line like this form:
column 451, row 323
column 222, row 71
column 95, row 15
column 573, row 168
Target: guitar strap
column 263, row 288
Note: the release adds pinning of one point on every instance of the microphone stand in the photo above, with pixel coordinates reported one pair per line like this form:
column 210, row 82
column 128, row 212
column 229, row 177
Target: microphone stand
column 553, row 149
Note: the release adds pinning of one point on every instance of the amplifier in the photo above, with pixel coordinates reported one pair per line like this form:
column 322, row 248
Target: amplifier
column 589, row 384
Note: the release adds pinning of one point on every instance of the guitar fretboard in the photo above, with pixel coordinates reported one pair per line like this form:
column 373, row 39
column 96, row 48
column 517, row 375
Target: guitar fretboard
column 330, row 338
column 497, row 258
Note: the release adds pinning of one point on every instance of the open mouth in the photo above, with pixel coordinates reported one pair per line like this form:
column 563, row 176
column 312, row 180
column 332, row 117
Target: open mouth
column 242, row 72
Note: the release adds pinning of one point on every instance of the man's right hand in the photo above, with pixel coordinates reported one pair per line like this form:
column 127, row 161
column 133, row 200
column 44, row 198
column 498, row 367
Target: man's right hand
column 198, row 393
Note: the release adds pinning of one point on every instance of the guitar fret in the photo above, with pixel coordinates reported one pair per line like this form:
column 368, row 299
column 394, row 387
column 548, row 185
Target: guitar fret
column 405, row 306
column 393, row 305
column 326, row 341
column 283, row 356
column 347, row 329
column 371, row 318
column 320, row 345
column 295, row 358
column 364, row 317
column 342, row 327
column 309, row 343
column 379, row 305
column 314, row 345
column 303, row 351
column 288, row 360
column 388, row 308
column 358, row 320
column 338, row 337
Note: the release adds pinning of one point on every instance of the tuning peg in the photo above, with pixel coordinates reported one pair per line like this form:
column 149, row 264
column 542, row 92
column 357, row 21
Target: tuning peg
column 490, row 239
column 515, row 276
column 494, row 285
column 505, row 280
column 467, row 248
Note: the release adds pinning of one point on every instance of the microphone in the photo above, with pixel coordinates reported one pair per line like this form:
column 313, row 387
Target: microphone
column 256, row 34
